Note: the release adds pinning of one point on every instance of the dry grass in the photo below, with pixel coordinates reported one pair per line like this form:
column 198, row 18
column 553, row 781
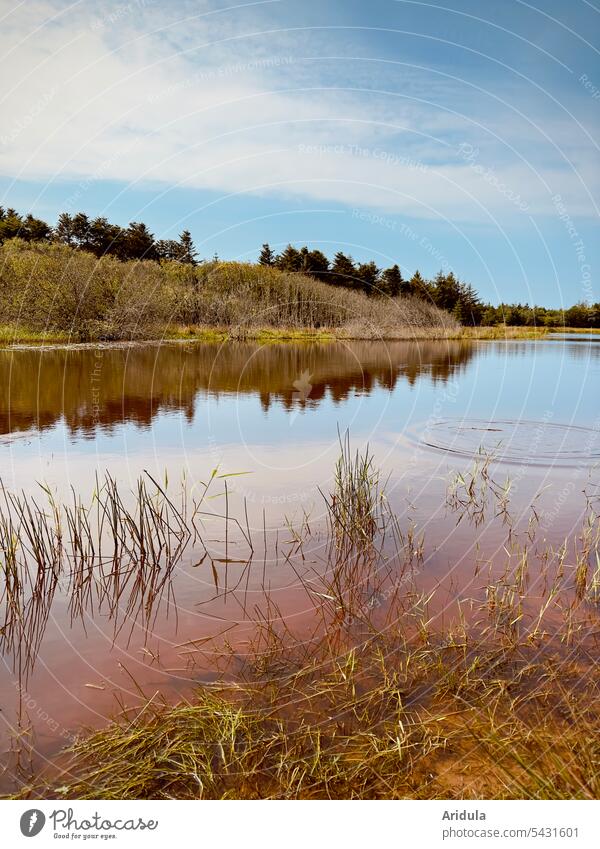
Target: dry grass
column 501, row 331
column 50, row 290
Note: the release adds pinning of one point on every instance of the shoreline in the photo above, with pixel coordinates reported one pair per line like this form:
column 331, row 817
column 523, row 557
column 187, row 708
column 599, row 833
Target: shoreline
column 15, row 338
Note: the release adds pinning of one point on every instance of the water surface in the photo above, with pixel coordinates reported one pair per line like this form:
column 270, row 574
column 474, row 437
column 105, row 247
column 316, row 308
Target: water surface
column 275, row 413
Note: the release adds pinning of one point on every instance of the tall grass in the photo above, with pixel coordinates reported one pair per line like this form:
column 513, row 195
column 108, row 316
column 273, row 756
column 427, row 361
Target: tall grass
column 381, row 699
column 51, row 289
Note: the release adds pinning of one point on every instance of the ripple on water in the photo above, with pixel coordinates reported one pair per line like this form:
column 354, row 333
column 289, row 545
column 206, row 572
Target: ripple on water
column 539, row 443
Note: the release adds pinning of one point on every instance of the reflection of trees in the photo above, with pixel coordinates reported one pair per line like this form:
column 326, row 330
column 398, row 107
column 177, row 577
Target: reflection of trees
column 91, row 388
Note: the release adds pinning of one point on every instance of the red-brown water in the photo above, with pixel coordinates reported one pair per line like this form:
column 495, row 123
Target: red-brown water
column 177, row 411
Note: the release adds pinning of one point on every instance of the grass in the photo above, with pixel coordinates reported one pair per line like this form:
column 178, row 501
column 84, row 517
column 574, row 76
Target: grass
column 404, row 333
column 379, row 722
column 382, row 699
column 52, row 293
column 15, row 334
column 53, row 289
column 591, row 330
column 19, row 335
column 501, row 331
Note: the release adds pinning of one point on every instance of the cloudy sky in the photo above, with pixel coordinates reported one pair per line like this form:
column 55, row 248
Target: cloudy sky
column 454, row 134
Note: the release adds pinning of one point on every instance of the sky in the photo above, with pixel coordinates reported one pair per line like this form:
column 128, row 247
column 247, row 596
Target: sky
column 453, row 135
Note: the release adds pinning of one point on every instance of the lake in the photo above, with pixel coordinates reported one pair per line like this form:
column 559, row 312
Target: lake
column 269, row 419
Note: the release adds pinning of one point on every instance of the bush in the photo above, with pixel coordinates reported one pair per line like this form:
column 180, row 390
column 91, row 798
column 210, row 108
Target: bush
column 51, row 287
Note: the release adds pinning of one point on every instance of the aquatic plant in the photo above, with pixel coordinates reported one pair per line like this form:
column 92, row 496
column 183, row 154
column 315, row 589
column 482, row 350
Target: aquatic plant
column 381, row 698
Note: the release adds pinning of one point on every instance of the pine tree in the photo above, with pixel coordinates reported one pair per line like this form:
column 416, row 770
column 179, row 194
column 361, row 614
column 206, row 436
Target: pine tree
column 64, row 230
column 319, row 265
column 391, row 283
column 289, row 260
column 343, row 271
column 81, row 231
column 446, row 291
column 11, row 225
column 167, row 249
column 458, row 312
column 472, row 307
column 105, row 238
column 187, row 250
column 367, row 275
column 139, row 242
column 267, row 257
column 35, row 230
column 418, row 285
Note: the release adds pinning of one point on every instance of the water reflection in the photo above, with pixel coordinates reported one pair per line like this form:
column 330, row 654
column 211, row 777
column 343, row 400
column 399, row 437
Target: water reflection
column 74, row 633
column 96, row 388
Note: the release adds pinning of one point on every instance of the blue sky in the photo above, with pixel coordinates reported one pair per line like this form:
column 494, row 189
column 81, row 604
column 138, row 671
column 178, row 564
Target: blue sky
column 458, row 135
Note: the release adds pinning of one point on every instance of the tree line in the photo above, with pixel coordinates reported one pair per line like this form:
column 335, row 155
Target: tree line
column 100, row 237
column 445, row 290
column 522, row 315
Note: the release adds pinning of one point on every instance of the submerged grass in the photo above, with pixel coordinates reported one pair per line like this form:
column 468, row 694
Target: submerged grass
column 382, row 700
column 376, row 723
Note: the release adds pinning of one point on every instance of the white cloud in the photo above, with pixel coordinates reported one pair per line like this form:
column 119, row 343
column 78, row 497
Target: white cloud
column 129, row 96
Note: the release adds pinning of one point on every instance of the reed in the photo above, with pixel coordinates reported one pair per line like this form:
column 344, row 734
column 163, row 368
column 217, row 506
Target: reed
column 382, row 698
column 54, row 292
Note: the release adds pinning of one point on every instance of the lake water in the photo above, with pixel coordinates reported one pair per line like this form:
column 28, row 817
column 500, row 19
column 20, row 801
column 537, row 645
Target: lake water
column 274, row 413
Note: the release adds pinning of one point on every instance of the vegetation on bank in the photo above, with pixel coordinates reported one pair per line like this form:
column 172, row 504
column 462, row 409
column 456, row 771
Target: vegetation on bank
column 11, row 335
column 19, row 335
column 102, row 239
column 378, row 697
column 53, row 289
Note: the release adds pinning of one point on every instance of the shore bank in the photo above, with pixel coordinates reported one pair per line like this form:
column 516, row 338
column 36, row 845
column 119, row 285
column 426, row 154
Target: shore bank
column 18, row 335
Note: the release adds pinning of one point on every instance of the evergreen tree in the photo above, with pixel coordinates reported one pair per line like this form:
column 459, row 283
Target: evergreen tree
column 317, row 265
column 514, row 316
column 491, row 316
column 314, row 263
column 304, row 260
column 458, row 312
column 267, row 257
column 32, row 229
column 343, row 272
column 64, row 230
column 391, row 283
column 187, row 250
column 445, row 291
column 139, row 242
column 105, row 238
column 367, row 275
column 35, row 230
column 11, row 225
column 472, row 308
column 418, row 285
column 81, row 231
column 289, row 260
column 167, row 249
